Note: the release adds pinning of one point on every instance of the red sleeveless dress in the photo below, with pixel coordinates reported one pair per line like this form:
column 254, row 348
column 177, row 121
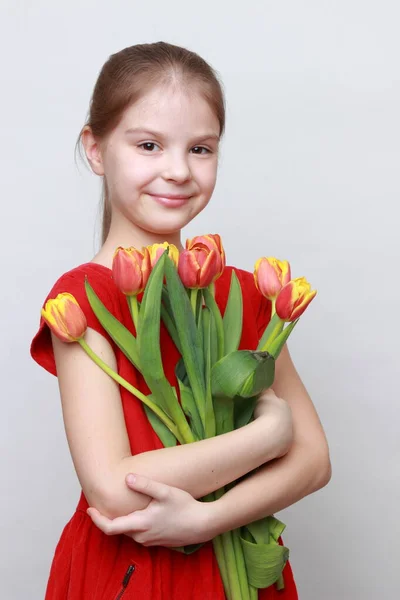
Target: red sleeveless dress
column 89, row 565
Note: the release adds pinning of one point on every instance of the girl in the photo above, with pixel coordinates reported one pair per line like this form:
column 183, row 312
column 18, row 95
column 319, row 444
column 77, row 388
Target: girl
column 153, row 132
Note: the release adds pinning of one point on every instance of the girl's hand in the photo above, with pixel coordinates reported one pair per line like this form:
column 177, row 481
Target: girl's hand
column 269, row 404
column 172, row 518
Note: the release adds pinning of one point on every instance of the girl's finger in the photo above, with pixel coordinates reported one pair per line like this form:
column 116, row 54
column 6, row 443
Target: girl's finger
column 127, row 523
column 149, row 487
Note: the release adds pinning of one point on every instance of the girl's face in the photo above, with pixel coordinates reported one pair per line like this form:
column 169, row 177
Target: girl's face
column 160, row 162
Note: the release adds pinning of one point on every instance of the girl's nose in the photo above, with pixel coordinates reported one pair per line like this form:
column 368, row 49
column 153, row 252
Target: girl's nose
column 177, row 169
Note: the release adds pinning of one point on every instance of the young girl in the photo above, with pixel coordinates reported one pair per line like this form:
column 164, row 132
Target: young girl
column 156, row 119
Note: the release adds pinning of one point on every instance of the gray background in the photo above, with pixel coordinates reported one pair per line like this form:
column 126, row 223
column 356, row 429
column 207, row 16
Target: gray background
column 309, row 172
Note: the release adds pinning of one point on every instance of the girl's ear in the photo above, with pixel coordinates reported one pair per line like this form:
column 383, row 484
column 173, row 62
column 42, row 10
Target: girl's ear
column 92, row 150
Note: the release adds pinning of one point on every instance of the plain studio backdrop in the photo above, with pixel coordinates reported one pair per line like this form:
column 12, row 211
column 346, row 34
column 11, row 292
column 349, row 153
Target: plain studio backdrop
column 309, row 173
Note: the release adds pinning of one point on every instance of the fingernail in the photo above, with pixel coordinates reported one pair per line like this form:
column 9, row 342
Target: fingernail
column 131, row 478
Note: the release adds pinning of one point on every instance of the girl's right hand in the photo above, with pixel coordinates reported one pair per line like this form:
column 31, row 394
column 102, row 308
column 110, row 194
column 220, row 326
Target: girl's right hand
column 270, row 405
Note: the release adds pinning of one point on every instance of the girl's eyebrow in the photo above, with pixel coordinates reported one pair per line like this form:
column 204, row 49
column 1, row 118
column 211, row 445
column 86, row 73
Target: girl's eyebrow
column 136, row 130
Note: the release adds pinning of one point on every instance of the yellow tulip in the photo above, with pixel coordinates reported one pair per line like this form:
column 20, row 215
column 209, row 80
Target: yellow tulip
column 65, row 317
column 270, row 275
column 156, row 250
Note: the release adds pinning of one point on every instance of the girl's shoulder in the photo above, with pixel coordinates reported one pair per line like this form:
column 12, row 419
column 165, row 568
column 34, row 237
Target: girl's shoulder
column 73, row 282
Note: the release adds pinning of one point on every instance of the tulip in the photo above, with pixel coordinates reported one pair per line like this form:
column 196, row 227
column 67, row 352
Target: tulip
column 65, row 317
column 211, row 242
column 270, row 275
column 156, row 251
column 293, row 299
column 131, row 269
column 198, row 268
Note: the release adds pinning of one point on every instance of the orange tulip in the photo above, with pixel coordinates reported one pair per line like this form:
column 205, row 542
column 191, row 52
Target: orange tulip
column 198, row 268
column 293, row 299
column 210, row 242
column 131, row 269
column 270, row 275
column 156, row 250
column 65, row 317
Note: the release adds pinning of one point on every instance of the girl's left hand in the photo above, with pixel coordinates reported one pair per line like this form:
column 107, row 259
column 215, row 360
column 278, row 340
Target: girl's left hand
column 172, row 518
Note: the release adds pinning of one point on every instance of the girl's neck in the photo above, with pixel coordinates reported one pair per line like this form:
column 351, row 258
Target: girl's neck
column 132, row 236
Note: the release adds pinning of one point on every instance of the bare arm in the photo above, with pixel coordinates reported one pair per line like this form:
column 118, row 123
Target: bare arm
column 99, row 444
column 303, row 470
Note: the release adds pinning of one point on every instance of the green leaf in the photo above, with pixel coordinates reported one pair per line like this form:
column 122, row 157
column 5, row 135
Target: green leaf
column 148, row 336
column 223, row 411
column 264, row 562
column 189, row 549
column 243, row 410
column 192, row 351
column 124, row 339
column 233, row 316
column 209, row 427
column 167, row 438
column 170, row 325
column 272, row 330
column 217, row 320
column 180, row 372
column 200, row 334
column 242, row 373
column 190, row 409
column 276, row 346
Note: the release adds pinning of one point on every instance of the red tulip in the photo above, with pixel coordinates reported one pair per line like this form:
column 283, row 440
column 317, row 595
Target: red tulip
column 131, row 269
column 198, row 268
column 293, row 299
column 210, row 243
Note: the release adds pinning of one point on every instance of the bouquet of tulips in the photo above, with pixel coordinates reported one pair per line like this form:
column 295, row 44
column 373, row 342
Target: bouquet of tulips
column 218, row 384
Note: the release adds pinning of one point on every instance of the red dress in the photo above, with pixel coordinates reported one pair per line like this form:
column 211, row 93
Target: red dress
column 89, row 565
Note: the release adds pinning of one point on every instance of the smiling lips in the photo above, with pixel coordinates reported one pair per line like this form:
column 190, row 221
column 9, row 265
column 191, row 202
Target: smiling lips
column 171, row 200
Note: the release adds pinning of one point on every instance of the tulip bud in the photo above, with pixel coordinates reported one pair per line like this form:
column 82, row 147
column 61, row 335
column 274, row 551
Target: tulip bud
column 270, row 275
column 293, row 299
column 131, row 269
column 198, row 268
column 210, row 242
column 156, row 250
column 65, row 317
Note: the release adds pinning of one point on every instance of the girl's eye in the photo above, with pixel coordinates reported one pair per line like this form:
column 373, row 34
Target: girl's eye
column 148, row 146
column 207, row 151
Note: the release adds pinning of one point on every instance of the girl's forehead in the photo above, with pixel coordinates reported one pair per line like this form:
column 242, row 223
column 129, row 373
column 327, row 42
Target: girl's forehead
column 166, row 108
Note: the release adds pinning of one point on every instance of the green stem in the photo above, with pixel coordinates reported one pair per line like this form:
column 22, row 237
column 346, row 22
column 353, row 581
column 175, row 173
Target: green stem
column 241, row 565
column 158, row 411
column 219, row 550
column 229, row 562
column 134, row 308
column 230, row 558
column 253, row 593
column 193, row 300
column 220, row 556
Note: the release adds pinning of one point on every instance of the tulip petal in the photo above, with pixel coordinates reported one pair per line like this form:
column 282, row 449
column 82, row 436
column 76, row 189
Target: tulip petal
column 210, row 269
column 188, row 269
column 266, row 278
